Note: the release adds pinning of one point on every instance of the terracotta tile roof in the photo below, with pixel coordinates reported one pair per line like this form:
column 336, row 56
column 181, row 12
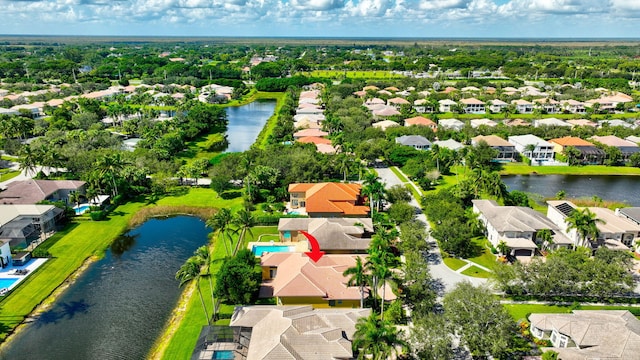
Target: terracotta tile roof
column 612, row 140
column 420, row 121
column 298, row 276
column 471, row 101
column 570, row 141
column 331, row 198
column 491, row 140
column 310, row 132
column 314, row 140
column 398, row 100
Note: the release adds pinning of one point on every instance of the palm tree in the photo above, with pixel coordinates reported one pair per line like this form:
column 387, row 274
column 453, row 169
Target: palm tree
column 244, row 221
column 546, row 237
column 220, row 222
column 379, row 263
column 374, row 189
column 529, row 148
column 358, row 278
column 28, row 161
column 503, row 248
column 585, row 223
column 109, row 167
column 376, row 339
column 204, row 258
column 190, row 271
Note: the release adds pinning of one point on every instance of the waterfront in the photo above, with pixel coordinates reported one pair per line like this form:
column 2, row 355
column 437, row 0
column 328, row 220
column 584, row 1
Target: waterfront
column 119, row 305
column 617, row 188
column 246, row 122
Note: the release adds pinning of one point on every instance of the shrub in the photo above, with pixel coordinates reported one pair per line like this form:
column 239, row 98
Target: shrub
column 40, row 253
column 98, row 215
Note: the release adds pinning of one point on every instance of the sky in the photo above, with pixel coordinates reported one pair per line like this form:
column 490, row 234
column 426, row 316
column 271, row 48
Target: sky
column 325, row 18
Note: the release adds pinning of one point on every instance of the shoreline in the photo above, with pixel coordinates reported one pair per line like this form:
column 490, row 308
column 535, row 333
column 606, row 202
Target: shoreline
column 585, row 170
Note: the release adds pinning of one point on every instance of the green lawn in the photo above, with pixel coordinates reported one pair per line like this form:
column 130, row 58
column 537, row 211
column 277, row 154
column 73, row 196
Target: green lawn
column 4, row 176
column 475, row 271
column 453, row 263
column 520, row 311
column 69, row 249
column 201, row 147
column 522, row 169
column 486, row 259
column 399, row 174
column 202, row 197
column 180, row 344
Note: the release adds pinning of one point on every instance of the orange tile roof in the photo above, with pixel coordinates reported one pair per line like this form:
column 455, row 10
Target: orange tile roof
column 571, row 141
column 419, row 120
column 331, row 198
column 314, row 140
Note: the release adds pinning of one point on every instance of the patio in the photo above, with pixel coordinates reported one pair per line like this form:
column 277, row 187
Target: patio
column 18, row 273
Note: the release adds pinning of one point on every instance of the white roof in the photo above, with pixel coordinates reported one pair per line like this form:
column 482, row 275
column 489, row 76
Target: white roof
column 10, row 212
column 449, row 144
column 447, row 102
column 550, row 122
column 528, row 139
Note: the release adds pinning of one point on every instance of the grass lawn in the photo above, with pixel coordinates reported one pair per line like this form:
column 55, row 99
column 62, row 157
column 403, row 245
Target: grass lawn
column 399, row 174
column 453, row 263
column 520, row 311
column 69, row 249
column 8, row 175
column 475, row 271
column 523, row 169
column 204, row 197
column 181, row 342
column 201, row 147
column 486, row 259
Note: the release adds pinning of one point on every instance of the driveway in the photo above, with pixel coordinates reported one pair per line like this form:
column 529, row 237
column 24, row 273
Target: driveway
column 445, row 278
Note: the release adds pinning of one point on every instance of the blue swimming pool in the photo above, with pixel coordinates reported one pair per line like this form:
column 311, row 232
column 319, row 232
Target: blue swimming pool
column 5, row 283
column 258, row 250
column 223, row 355
column 81, row 210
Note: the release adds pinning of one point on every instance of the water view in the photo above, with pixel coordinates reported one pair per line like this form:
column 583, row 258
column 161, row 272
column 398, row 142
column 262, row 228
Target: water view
column 246, row 122
column 618, row 188
column 117, row 308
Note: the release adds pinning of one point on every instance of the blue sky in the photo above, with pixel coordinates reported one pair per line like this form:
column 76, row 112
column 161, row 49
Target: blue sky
column 324, row 18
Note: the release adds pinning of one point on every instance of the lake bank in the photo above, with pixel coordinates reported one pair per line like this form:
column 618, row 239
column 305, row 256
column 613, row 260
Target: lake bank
column 522, row 169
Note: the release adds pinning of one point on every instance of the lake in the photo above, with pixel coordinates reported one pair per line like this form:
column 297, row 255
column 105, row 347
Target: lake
column 618, row 188
column 246, row 122
column 118, row 307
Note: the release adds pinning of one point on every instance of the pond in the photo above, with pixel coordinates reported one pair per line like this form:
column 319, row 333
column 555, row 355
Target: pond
column 617, row 188
column 118, row 307
column 246, row 122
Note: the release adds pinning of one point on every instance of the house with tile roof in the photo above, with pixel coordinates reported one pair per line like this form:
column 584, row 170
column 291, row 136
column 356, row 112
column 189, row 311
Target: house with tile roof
column 334, row 235
column 506, row 150
column 33, row 191
column 313, row 140
column 573, row 106
column 518, row 226
column 523, row 106
column 295, row 279
column 590, row 334
column 548, row 105
column 449, row 144
column 626, row 147
column 309, row 132
column 633, row 139
column 421, row 121
column 445, row 105
column 328, row 199
column 385, row 124
column 496, row 105
column 385, row 112
column 589, row 153
column 473, row 106
column 581, row 122
column 542, row 151
column 476, row 123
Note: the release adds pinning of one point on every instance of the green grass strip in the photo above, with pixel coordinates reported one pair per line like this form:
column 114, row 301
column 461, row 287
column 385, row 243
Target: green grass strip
column 522, row 169
column 453, row 263
column 475, row 271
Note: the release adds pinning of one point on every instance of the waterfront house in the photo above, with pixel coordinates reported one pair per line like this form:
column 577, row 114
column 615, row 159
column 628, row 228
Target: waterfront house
column 334, row 235
column 518, row 227
column 33, row 191
column 506, row 150
column 473, row 106
column 574, row 106
column 22, row 224
column 589, row 334
column 497, row 105
column 589, row 153
column 542, row 151
column 626, row 147
column 328, row 199
column 548, row 105
column 523, row 106
column 295, row 279
column 417, row 142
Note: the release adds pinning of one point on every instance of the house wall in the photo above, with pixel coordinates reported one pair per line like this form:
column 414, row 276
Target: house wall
column 5, row 254
column 318, row 302
column 297, row 199
column 558, row 218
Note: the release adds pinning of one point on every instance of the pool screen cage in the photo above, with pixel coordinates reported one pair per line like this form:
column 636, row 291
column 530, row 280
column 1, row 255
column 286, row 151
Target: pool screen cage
column 219, row 338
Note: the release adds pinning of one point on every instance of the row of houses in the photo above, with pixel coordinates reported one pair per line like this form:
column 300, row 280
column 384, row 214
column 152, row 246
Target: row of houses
column 309, row 117
column 521, row 228
column 455, row 124
column 316, row 310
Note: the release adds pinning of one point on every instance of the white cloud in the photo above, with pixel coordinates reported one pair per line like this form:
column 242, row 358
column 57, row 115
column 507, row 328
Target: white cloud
column 322, row 5
column 442, row 4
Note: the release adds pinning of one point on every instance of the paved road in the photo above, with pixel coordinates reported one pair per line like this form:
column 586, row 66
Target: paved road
column 441, row 273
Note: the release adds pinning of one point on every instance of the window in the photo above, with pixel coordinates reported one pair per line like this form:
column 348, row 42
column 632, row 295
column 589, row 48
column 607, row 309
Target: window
column 332, row 303
column 563, row 342
column 273, row 272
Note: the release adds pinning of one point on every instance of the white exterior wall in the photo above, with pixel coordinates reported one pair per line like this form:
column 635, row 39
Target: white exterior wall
column 558, row 218
column 5, row 253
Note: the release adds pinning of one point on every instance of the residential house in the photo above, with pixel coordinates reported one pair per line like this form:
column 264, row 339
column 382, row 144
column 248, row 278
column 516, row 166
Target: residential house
column 33, row 191
column 334, row 235
column 23, row 224
column 309, row 111
column 523, row 106
column 497, row 105
column 542, row 151
column 36, row 110
column 449, row 144
column 506, row 150
column 590, row 334
column 473, row 106
column 550, row 122
column 581, row 122
column 630, row 213
column 421, row 121
column 328, row 199
column 417, row 142
column 574, row 106
column 589, row 153
column 615, row 122
column 5, row 253
column 516, row 122
column 633, row 139
column 626, row 147
column 309, row 132
column 548, row 105
column 476, row 123
column 385, row 112
column 616, row 232
column 422, row 106
column 4, row 111
column 609, row 103
column 385, row 124
column 269, row 332
column 453, row 124
column 445, row 105
column 517, row 226
column 295, row 279
column 397, row 102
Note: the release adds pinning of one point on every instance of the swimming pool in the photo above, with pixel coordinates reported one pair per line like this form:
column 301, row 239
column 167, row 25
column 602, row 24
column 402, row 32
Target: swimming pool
column 258, row 250
column 81, row 210
column 223, row 355
column 6, row 283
